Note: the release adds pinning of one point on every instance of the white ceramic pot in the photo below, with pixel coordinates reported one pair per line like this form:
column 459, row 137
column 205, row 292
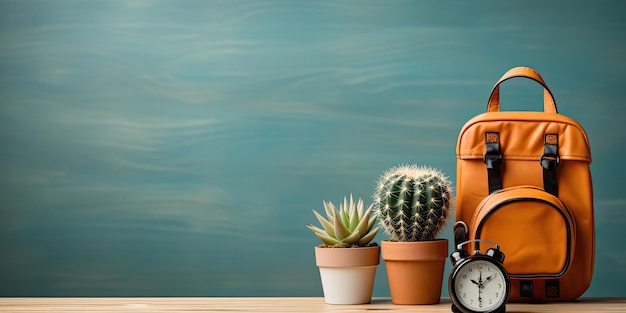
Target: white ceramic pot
column 347, row 274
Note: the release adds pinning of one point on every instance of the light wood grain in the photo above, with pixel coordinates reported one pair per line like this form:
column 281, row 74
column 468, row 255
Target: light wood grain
column 90, row 305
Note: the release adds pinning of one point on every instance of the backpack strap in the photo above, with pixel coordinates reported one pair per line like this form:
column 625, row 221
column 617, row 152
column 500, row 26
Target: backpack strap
column 549, row 105
column 493, row 156
column 493, row 160
column 550, row 161
column 461, row 233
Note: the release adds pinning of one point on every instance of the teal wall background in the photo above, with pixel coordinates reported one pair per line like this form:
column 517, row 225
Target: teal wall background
column 176, row 148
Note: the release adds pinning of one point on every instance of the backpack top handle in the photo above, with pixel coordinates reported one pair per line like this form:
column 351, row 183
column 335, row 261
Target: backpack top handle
column 549, row 104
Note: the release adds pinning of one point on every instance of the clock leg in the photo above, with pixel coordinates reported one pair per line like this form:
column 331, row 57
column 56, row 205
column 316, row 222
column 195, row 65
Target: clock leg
column 455, row 309
column 503, row 310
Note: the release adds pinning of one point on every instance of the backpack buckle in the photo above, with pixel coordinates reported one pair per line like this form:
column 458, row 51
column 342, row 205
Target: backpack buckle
column 550, row 162
column 492, row 160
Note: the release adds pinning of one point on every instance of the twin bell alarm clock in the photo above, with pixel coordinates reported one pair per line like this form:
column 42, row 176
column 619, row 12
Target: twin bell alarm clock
column 478, row 282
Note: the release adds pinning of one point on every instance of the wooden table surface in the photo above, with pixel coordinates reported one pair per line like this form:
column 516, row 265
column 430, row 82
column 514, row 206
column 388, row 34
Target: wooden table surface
column 54, row 305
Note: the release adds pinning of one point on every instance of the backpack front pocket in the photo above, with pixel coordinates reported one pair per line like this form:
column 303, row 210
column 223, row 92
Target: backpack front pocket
column 534, row 229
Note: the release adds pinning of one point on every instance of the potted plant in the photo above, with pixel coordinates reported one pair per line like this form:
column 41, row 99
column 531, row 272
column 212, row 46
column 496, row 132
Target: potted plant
column 412, row 203
column 347, row 260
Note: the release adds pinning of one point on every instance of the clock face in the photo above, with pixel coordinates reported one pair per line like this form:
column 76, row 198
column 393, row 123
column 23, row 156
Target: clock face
column 480, row 286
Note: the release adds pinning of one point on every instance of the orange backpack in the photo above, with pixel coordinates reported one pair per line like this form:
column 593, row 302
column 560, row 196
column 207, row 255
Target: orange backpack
column 523, row 181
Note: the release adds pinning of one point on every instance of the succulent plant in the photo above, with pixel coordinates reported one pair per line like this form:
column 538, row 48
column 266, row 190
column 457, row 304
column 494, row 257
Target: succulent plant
column 345, row 227
column 412, row 202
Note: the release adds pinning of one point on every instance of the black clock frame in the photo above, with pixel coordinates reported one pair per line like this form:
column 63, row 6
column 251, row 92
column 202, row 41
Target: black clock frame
column 460, row 258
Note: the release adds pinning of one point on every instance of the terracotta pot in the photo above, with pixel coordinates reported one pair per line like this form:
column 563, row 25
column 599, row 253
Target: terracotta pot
column 415, row 270
column 347, row 274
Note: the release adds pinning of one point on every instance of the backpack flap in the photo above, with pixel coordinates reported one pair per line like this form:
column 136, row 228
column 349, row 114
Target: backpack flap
column 522, row 144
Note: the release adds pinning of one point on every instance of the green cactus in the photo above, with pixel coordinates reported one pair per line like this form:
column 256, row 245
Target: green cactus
column 412, row 202
column 348, row 226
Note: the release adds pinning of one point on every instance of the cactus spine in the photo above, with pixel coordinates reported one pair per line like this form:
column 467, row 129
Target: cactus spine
column 412, row 202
